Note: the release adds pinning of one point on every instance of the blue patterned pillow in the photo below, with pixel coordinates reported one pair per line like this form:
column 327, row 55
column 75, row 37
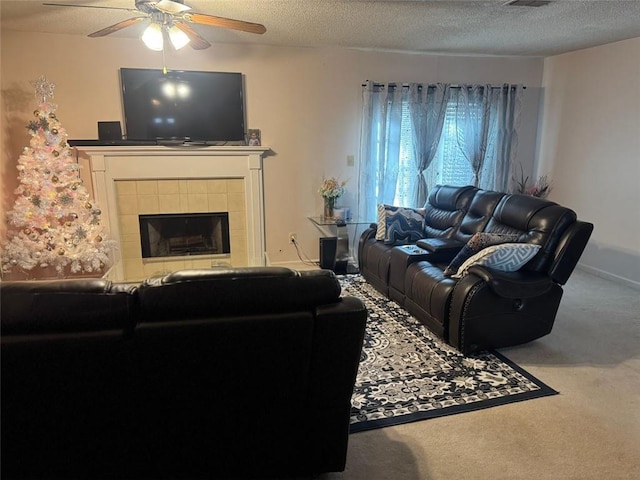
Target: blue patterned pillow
column 476, row 243
column 507, row 257
column 403, row 225
column 382, row 224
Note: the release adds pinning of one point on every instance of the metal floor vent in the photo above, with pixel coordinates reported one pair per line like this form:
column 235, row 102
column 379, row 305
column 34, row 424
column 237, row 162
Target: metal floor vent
column 528, row 3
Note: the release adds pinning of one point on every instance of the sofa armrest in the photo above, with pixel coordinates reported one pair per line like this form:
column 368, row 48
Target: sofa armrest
column 337, row 344
column 369, row 232
column 520, row 284
column 367, row 235
column 338, row 337
column 570, row 248
column 440, row 249
column 492, row 309
column 434, row 244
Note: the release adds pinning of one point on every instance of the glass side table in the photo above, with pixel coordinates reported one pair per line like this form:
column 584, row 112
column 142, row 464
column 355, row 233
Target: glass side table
column 337, row 246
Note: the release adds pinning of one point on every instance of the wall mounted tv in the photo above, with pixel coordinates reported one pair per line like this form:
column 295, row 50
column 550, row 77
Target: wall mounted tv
column 182, row 105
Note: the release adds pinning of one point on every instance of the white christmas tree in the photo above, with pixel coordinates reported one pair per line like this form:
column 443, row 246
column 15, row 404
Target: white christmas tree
column 54, row 222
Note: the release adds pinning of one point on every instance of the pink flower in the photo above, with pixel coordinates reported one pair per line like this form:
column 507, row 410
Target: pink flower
column 332, row 188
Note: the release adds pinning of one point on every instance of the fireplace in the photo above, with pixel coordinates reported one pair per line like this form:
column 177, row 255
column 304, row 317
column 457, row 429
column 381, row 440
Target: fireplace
column 176, row 235
column 130, row 181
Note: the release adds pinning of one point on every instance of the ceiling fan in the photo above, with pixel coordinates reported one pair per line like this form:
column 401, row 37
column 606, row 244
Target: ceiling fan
column 170, row 17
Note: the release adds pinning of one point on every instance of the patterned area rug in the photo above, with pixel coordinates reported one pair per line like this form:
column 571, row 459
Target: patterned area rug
column 408, row 374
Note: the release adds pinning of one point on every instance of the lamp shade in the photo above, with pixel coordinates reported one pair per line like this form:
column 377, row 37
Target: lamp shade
column 152, row 37
column 178, row 38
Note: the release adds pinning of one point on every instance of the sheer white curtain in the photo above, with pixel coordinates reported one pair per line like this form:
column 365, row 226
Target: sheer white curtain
column 402, row 126
column 486, row 123
column 380, row 147
column 414, row 134
column 472, row 124
column 427, row 105
column 502, row 144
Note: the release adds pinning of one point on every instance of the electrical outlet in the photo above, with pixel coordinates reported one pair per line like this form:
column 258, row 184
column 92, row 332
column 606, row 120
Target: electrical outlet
column 351, row 161
column 293, row 237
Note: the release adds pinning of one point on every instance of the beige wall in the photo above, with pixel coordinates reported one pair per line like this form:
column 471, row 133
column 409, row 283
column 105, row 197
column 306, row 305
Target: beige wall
column 306, row 102
column 590, row 144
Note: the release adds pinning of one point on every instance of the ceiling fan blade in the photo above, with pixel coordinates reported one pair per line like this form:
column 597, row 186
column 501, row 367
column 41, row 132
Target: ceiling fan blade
column 212, row 21
column 88, row 6
column 196, row 41
column 168, row 6
column 117, row 26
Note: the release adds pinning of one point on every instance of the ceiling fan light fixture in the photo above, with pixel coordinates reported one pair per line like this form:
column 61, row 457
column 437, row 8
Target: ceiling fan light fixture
column 153, row 37
column 171, row 19
column 177, row 37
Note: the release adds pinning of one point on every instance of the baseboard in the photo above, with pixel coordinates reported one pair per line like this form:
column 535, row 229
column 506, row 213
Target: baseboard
column 609, row 276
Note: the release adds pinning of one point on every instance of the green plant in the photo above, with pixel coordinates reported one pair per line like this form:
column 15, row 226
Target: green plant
column 540, row 188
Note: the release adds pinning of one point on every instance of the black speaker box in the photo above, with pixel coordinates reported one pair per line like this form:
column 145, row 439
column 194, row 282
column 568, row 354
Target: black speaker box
column 109, row 131
column 328, row 252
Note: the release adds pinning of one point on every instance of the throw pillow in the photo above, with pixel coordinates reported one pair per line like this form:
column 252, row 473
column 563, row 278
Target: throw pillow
column 476, row 243
column 382, row 224
column 388, row 217
column 507, row 257
column 403, row 225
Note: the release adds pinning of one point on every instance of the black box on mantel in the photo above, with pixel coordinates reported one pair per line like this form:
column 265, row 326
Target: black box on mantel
column 109, row 131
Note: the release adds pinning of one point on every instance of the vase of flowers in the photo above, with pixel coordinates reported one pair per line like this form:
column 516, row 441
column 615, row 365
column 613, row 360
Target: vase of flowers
column 540, row 188
column 329, row 206
column 331, row 189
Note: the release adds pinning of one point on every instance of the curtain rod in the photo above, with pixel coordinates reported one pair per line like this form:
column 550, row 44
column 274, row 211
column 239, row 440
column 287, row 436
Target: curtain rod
column 406, row 85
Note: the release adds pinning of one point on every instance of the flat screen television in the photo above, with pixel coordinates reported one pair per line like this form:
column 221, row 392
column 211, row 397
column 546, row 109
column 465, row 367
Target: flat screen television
column 182, row 105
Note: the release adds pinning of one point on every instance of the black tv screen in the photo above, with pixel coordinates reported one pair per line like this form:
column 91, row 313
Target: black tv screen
column 182, row 105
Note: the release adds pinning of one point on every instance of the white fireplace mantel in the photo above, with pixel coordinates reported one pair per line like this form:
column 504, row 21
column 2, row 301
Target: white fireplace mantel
column 113, row 163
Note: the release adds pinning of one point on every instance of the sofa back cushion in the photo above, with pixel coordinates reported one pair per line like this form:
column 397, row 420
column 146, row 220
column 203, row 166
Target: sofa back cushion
column 446, row 206
column 56, row 306
column 214, row 292
column 536, row 221
column 478, row 215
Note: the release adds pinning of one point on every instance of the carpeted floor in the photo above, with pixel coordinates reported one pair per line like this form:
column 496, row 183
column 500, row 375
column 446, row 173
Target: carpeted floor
column 407, row 374
column 590, row 431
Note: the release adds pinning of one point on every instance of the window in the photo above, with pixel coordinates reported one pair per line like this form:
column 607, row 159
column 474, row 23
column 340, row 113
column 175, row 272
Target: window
column 476, row 144
column 407, row 162
column 450, row 166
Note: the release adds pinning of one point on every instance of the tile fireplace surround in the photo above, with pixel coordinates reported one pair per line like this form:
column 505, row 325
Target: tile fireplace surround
column 133, row 180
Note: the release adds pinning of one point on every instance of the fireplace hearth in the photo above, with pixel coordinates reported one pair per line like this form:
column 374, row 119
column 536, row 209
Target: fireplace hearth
column 181, row 234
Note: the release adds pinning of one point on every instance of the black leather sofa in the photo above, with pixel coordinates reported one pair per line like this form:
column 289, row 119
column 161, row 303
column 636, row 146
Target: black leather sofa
column 487, row 307
column 217, row 373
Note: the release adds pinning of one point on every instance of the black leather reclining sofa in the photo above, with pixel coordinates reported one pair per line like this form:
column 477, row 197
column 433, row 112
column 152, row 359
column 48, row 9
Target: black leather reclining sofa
column 217, row 373
column 487, row 307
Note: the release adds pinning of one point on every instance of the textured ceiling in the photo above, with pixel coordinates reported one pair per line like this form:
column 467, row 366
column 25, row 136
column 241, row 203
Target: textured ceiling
column 463, row 27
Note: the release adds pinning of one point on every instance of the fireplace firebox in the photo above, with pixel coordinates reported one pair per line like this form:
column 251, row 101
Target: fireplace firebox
column 176, row 235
